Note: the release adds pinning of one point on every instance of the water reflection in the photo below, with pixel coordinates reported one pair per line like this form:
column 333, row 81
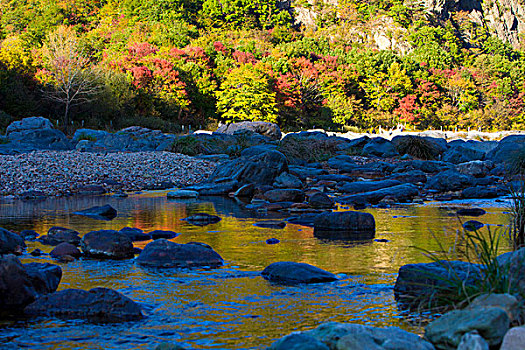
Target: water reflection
column 231, row 307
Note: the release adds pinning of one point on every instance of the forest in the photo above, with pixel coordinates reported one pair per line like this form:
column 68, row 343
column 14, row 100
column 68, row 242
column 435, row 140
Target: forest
column 165, row 64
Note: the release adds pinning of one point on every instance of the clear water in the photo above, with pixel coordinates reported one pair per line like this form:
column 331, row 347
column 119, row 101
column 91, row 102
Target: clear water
column 231, row 307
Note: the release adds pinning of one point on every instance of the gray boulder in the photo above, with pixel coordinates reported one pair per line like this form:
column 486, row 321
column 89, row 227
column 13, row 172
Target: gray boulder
column 427, row 166
column 107, row 244
column 380, row 147
column 476, row 168
column 97, row 304
column 31, row 123
column 343, row 163
column 135, row 234
column 36, row 133
column 182, row 194
column 480, row 192
column 63, row 250
column 286, row 180
column 202, row 219
column 459, row 154
column 220, row 187
column 449, row 180
column 321, row 200
column 288, row 272
column 366, row 186
column 163, row 253
column 412, row 176
column 104, row 212
column 298, row 341
column 447, row 331
column 352, row 225
column 399, row 193
column 508, row 148
column 56, row 235
column 11, row 243
column 21, row 284
column 303, row 172
column 472, row 341
column 285, row 195
column 270, row 130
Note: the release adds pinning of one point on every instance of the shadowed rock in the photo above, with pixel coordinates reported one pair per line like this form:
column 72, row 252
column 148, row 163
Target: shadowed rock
column 163, row 253
column 107, row 244
column 11, row 243
column 351, row 225
column 202, row 219
column 57, row 235
column 105, row 212
column 288, row 272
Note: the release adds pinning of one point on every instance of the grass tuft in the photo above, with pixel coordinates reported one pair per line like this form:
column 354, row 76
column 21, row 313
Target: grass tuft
column 417, row 147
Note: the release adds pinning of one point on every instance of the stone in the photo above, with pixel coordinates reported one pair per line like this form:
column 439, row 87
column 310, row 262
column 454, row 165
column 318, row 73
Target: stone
column 202, row 219
column 349, row 336
column 352, row 225
column 245, row 191
column 135, row 234
column 304, row 172
column 505, row 301
column 475, row 168
column 507, row 148
column 472, row 341
column 274, row 224
column 272, row 241
column 157, row 234
column 366, row 186
column 449, row 180
column 515, row 263
column 399, row 193
column 107, row 244
column 514, row 339
column 65, row 249
column 479, row 192
column 320, row 200
column 473, row 225
column 413, row 176
column 270, row 130
column 104, row 212
column 31, row 123
column 29, row 235
column 21, row 284
column 163, row 253
column 446, row 332
column 460, row 154
column 343, row 163
column 36, row 252
column 11, row 243
column 423, row 284
column 287, row 272
column 380, row 147
column 298, row 341
column 471, row 212
column 286, row 180
column 427, row 166
column 285, row 195
column 305, row 219
column 97, row 304
column 37, row 133
column 215, row 188
column 56, row 235
column 169, row 346
column 91, row 190
column 182, row 194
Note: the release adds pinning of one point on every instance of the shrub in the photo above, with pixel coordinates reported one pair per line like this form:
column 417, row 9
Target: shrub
column 307, row 150
column 188, row 145
column 416, row 147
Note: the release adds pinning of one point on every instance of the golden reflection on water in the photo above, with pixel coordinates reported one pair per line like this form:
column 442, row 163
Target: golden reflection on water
column 233, row 307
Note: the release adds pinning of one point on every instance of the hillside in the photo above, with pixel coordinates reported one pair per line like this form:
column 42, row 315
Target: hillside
column 333, row 64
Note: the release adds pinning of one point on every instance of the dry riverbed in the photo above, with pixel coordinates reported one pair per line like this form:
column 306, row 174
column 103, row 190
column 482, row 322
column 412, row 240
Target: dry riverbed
column 66, row 172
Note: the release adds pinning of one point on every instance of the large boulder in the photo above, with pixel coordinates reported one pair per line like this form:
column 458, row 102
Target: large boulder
column 107, row 244
column 399, row 193
column 508, row 148
column 63, row 250
column 366, row 186
column 352, row 225
column 284, row 195
column 202, row 219
column 135, row 234
column 104, row 212
column 286, row 180
column 260, row 169
column 449, row 180
column 56, row 235
column 36, row 133
column 270, row 130
column 380, row 147
column 11, row 243
column 343, row 163
column 490, row 322
column 98, row 304
column 423, row 284
column 350, row 336
column 288, row 272
column 320, row 200
column 459, row 154
column 476, row 168
column 298, row 341
column 163, row 253
column 22, row 284
column 219, row 187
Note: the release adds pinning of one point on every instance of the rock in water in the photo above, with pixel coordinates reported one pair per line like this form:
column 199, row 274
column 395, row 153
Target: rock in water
column 98, row 304
column 288, row 272
column 107, row 244
column 202, row 219
column 298, row 341
column 352, row 225
column 105, row 212
column 471, row 212
column 163, row 253
column 22, row 284
column 57, row 235
column 65, row 249
column 11, row 243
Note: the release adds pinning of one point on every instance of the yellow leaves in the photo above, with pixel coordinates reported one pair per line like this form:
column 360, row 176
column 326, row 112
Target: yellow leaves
column 16, row 55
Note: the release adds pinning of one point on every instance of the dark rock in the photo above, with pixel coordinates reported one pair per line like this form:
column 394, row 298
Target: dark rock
column 64, row 249
column 399, row 193
column 305, row 172
column 91, row 190
column 305, row 219
column 366, row 186
column 479, row 192
column 449, row 180
column 270, row 130
column 107, row 244
column 169, row 346
column 157, row 234
column 473, row 225
column 379, row 147
column 288, row 272
column 423, row 284
column 508, row 148
column 98, row 304
column 343, row 163
column 57, row 235
column 163, row 253
column 135, row 234
column 182, row 194
column 460, row 154
column 36, row 252
column 350, row 225
column 31, row 123
column 298, row 341
column 37, row 133
column 271, row 224
column 272, row 241
column 245, row 191
column 257, row 150
column 202, row 219
column 475, row 168
column 320, row 200
column 22, row 284
column 11, row 243
column 413, row 176
column 105, row 212
column 137, row 251
column 335, row 177
column 285, row 195
column 29, row 235
column 427, row 166
column 471, row 212
column 216, row 188
column 286, row 180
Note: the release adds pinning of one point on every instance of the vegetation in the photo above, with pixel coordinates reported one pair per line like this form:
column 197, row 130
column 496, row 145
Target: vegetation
column 309, row 151
column 169, row 63
column 417, row 147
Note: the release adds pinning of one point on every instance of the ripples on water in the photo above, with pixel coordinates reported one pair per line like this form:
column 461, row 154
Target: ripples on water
column 231, row 307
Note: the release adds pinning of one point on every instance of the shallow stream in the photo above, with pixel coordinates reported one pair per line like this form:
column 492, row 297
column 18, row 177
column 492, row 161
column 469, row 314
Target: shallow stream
column 231, row 307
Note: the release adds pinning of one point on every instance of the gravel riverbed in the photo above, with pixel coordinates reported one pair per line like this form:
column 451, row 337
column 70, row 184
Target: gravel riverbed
column 58, row 173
